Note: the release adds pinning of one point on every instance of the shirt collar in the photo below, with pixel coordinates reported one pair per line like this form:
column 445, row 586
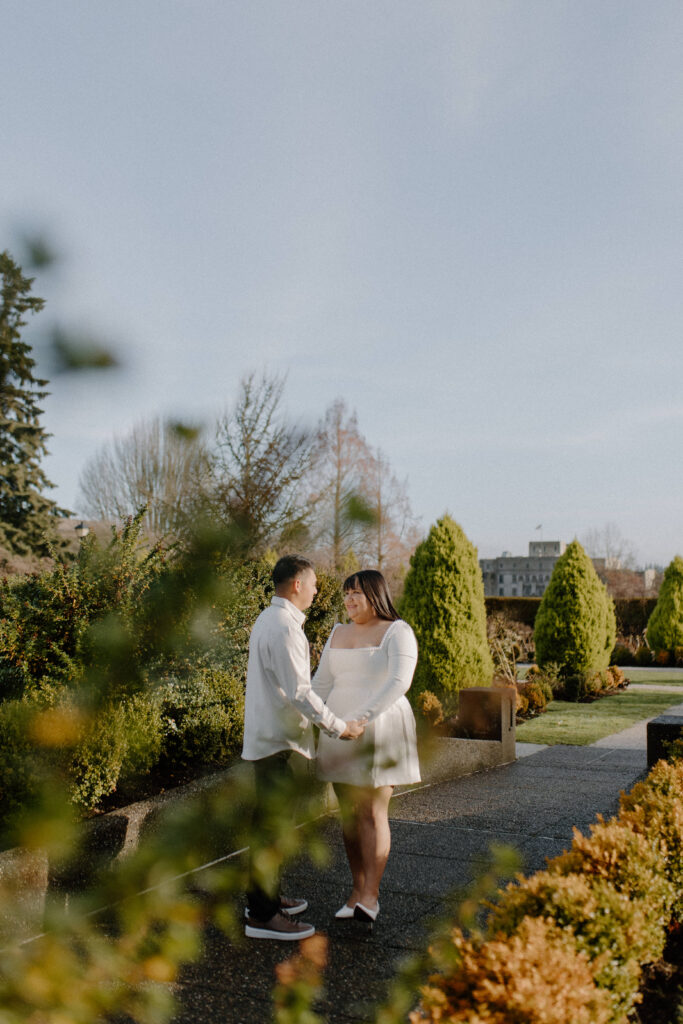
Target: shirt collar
column 282, row 602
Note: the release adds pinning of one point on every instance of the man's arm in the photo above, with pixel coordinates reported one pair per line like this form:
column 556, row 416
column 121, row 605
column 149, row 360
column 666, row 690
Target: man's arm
column 290, row 663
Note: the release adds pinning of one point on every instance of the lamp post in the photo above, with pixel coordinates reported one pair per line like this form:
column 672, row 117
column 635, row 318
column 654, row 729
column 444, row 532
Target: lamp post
column 81, row 531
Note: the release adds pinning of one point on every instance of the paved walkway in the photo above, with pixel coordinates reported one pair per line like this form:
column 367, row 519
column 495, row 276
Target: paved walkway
column 441, row 836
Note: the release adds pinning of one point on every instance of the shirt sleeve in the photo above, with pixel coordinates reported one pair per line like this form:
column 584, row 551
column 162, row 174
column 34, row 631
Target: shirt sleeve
column 291, row 666
column 402, row 658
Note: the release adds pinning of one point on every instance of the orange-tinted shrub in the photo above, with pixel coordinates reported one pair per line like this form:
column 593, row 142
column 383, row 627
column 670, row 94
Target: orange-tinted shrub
column 535, row 977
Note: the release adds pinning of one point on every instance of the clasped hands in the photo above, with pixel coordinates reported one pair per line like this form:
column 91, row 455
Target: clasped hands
column 354, row 729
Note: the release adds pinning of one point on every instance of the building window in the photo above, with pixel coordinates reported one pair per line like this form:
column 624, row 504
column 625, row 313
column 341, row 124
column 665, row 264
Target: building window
column 514, row 591
column 500, row 578
column 500, row 591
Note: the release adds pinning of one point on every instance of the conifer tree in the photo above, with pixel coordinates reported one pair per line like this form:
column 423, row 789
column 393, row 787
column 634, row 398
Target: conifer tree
column 665, row 625
column 443, row 601
column 575, row 625
column 27, row 517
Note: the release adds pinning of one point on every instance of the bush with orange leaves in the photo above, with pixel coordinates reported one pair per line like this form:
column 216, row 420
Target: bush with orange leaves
column 536, row 976
column 431, row 707
column 593, row 919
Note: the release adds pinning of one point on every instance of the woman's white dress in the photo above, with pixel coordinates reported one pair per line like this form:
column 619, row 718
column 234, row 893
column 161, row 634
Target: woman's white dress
column 370, row 682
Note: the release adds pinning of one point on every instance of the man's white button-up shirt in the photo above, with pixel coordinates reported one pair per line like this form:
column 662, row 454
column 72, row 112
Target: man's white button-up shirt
column 280, row 704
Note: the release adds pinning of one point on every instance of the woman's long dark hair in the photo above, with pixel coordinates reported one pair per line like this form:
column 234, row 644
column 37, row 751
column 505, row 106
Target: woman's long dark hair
column 375, row 588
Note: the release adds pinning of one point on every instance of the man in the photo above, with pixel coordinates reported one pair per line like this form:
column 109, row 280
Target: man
column 279, row 709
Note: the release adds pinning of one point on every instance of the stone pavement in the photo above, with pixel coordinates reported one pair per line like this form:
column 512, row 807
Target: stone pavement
column 441, row 837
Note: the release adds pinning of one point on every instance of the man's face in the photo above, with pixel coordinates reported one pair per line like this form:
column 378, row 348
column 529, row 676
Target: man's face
column 307, row 589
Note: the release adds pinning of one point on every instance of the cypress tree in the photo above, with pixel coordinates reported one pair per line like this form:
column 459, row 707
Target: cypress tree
column 575, row 626
column 665, row 625
column 443, row 600
column 27, row 517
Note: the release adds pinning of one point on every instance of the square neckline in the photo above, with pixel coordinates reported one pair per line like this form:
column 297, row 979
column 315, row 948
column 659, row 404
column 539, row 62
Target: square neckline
column 374, row 647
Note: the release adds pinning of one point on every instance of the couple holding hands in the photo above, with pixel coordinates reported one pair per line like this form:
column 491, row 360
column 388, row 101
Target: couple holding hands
column 367, row 741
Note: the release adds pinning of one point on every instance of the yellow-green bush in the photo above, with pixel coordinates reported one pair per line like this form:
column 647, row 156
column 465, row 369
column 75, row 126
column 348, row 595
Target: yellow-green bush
column 534, row 977
column 606, row 925
column 598, row 913
column 654, row 809
column 629, row 861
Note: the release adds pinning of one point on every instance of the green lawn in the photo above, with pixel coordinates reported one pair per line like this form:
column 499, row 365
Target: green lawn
column 655, row 676
column 579, row 724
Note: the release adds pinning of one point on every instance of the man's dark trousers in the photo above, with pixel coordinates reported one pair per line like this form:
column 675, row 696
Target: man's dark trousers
column 274, row 797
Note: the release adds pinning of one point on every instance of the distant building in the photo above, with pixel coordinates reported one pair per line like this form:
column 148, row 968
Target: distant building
column 528, row 576
column 520, row 576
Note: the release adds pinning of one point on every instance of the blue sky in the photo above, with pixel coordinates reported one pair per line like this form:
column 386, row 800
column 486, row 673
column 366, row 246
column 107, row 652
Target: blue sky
column 465, row 218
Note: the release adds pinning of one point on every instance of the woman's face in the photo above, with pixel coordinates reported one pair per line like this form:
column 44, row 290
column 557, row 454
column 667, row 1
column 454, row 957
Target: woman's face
column 358, row 608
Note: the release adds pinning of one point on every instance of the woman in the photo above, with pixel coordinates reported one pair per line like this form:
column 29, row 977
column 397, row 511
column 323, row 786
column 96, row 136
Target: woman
column 365, row 670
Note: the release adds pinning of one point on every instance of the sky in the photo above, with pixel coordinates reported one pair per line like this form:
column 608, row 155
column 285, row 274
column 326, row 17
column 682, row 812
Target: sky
column 462, row 217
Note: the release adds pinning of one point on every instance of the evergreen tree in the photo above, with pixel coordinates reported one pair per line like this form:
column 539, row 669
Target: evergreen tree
column 443, row 601
column 27, row 517
column 575, row 625
column 665, row 625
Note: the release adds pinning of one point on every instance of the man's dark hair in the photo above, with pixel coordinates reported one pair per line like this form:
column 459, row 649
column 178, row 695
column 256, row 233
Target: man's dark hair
column 288, row 567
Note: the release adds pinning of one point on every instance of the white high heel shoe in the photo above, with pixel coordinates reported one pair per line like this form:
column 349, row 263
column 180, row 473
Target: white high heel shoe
column 345, row 912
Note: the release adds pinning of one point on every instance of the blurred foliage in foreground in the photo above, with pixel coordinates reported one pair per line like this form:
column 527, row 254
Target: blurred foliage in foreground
column 130, row 661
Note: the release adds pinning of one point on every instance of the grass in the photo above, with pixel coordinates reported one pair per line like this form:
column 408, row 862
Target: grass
column 655, row 676
column 580, row 724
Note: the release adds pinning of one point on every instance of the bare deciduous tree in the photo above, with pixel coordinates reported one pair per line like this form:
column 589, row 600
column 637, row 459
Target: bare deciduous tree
column 362, row 510
column 258, row 469
column 342, row 506
column 157, row 465
column 392, row 534
column 607, row 542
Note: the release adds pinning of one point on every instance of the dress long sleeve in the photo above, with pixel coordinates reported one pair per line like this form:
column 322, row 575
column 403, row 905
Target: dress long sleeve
column 402, row 658
column 323, row 680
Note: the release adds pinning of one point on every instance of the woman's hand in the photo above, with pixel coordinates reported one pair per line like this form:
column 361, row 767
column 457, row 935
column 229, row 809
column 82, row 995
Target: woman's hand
column 354, row 729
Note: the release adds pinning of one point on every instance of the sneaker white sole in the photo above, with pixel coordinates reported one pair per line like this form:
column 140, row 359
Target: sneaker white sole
column 253, row 932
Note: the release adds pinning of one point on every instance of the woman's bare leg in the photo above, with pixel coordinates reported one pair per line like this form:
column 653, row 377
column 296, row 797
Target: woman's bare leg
column 374, row 838
column 346, row 795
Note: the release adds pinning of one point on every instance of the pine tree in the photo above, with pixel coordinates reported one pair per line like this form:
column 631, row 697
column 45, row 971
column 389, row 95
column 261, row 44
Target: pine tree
column 27, row 517
column 575, row 625
column 443, row 601
column 665, row 625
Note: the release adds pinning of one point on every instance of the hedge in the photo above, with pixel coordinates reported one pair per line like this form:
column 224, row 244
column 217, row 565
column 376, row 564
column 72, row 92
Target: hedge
column 632, row 612
column 568, row 944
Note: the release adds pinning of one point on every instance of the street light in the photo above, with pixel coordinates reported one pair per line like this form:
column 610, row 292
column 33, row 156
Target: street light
column 82, row 531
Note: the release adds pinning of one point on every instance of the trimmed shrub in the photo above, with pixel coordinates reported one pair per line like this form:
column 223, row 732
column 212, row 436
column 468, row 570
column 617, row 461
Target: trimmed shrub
column 622, row 655
column 443, row 600
column 665, row 625
column 616, row 675
column 654, row 809
column 607, row 926
column 575, row 625
column 632, row 863
column 533, row 692
column 643, row 656
column 574, row 688
column 204, row 719
column 535, row 977
column 431, row 707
